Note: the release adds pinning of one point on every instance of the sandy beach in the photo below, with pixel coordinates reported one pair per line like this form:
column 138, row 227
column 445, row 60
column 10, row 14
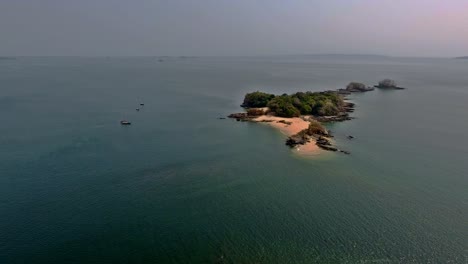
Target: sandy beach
column 291, row 126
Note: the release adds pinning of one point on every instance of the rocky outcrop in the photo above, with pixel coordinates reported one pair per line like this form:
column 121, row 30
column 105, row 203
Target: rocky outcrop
column 343, row 92
column 298, row 139
column 355, row 87
column 240, row 116
column 326, row 147
column 315, row 132
column 388, row 84
column 255, row 111
column 338, row 118
column 323, row 141
column 348, row 107
column 325, row 144
column 249, row 115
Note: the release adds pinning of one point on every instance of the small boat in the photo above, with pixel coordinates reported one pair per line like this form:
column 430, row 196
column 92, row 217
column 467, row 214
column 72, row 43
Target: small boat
column 125, row 123
column 142, row 104
column 138, row 109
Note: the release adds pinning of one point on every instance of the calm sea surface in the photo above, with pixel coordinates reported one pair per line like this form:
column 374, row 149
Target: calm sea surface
column 181, row 186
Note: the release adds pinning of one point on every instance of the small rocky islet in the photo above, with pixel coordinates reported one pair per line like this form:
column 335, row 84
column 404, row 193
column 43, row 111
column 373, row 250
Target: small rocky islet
column 314, row 107
column 388, row 84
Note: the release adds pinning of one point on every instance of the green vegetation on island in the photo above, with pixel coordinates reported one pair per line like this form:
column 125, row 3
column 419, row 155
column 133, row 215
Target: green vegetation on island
column 316, row 128
column 257, row 99
column 297, row 104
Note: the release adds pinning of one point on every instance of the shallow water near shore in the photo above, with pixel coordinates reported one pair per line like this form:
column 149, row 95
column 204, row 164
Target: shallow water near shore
column 181, row 186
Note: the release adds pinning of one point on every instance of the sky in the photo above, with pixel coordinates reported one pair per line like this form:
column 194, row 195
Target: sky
column 422, row 28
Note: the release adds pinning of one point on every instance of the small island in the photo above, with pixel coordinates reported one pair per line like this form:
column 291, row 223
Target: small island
column 462, row 58
column 388, row 84
column 300, row 116
column 355, row 87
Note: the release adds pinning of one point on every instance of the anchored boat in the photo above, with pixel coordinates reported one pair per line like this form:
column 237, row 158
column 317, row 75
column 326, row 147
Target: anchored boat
column 125, row 123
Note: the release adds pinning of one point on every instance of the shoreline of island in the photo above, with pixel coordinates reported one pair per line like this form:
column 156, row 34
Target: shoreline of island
column 300, row 116
column 290, row 127
column 305, row 133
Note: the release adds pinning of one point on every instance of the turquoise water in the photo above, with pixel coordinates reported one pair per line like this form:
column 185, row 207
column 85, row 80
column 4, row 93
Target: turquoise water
column 181, row 186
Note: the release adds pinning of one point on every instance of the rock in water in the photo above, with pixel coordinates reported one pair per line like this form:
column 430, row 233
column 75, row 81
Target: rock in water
column 388, row 84
column 329, row 148
column 238, row 115
column 358, row 87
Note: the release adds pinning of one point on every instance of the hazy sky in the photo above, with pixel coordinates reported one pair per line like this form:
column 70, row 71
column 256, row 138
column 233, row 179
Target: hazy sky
column 233, row 27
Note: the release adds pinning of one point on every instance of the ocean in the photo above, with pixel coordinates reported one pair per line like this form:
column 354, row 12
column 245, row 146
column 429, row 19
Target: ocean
column 181, row 186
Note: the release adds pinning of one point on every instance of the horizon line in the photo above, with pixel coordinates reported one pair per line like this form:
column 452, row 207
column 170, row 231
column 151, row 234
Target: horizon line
column 259, row 55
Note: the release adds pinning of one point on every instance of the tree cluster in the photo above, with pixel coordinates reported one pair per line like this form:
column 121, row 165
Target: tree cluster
column 301, row 103
column 257, row 99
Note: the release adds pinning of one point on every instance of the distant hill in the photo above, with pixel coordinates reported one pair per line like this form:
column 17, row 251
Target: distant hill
column 462, row 58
